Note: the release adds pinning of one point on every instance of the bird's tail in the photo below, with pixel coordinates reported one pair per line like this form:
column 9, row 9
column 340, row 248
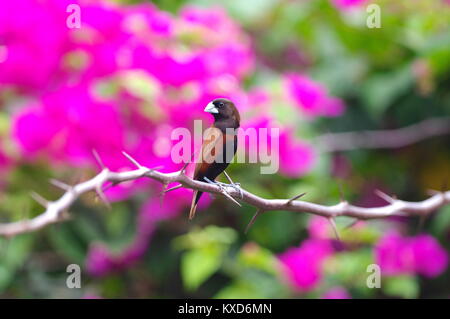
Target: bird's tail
column 195, row 200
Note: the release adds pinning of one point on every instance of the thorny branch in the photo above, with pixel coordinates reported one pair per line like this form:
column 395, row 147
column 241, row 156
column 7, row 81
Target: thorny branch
column 56, row 211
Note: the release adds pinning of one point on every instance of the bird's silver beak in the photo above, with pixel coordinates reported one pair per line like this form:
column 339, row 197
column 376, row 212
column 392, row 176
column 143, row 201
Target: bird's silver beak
column 211, row 108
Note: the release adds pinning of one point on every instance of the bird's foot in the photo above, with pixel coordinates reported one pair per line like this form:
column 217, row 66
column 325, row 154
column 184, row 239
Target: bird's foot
column 237, row 187
column 223, row 188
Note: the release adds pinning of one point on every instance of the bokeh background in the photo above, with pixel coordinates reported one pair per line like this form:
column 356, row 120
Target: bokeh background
column 135, row 70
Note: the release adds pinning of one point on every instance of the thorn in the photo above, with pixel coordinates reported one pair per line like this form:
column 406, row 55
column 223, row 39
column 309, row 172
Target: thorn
column 353, row 223
column 132, row 160
column 38, row 198
column 422, row 220
column 102, row 196
column 64, row 215
column 236, row 186
column 252, row 221
column 333, row 224
column 385, row 196
column 341, row 193
column 183, row 169
column 295, row 198
column 228, row 177
column 61, row 185
column 98, row 159
column 161, row 194
column 222, row 190
column 110, row 185
column 165, row 191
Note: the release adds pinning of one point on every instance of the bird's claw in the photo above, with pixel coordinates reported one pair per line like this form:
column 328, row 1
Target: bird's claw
column 237, row 187
column 223, row 188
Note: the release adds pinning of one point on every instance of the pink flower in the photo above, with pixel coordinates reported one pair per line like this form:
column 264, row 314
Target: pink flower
column 431, row 258
column 319, row 227
column 68, row 124
column 348, row 4
column 337, row 293
column 34, row 38
column 101, row 40
column 311, row 97
column 302, row 266
column 410, row 255
column 296, row 157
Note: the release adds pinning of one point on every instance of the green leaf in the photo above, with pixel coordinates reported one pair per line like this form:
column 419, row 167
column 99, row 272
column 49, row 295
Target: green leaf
column 239, row 290
column 6, row 275
column 199, row 264
column 441, row 221
column 66, row 243
column 15, row 250
column 381, row 90
column 254, row 256
column 13, row 253
column 401, row 286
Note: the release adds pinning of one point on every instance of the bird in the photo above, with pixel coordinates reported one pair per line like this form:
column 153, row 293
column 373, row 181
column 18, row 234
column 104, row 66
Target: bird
column 219, row 145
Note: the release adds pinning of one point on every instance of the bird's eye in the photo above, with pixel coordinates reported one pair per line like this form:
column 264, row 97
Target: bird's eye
column 221, row 104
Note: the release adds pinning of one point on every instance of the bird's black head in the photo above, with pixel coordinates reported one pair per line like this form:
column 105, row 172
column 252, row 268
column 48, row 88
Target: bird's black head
column 224, row 112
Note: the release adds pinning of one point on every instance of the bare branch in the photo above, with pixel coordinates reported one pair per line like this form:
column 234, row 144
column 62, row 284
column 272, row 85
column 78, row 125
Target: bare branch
column 395, row 138
column 54, row 209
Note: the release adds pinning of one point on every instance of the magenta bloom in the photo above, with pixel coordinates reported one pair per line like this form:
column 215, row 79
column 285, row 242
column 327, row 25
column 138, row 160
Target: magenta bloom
column 311, row 97
column 432, row 259
column 68, row 124
column 212, row 49
column 319, row 227
column 348, row 4
column 302, row 266
column 337, row 293
column 296, row 157
column 410, row 255
column 34, row 38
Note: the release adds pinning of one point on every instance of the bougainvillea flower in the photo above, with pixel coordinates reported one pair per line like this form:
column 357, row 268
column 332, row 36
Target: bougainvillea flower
column 336, row 293
column 33, row 39
column 348, row 4
column 422, row 255
column 311, row 97
column 296, row 157
column 302, row 266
